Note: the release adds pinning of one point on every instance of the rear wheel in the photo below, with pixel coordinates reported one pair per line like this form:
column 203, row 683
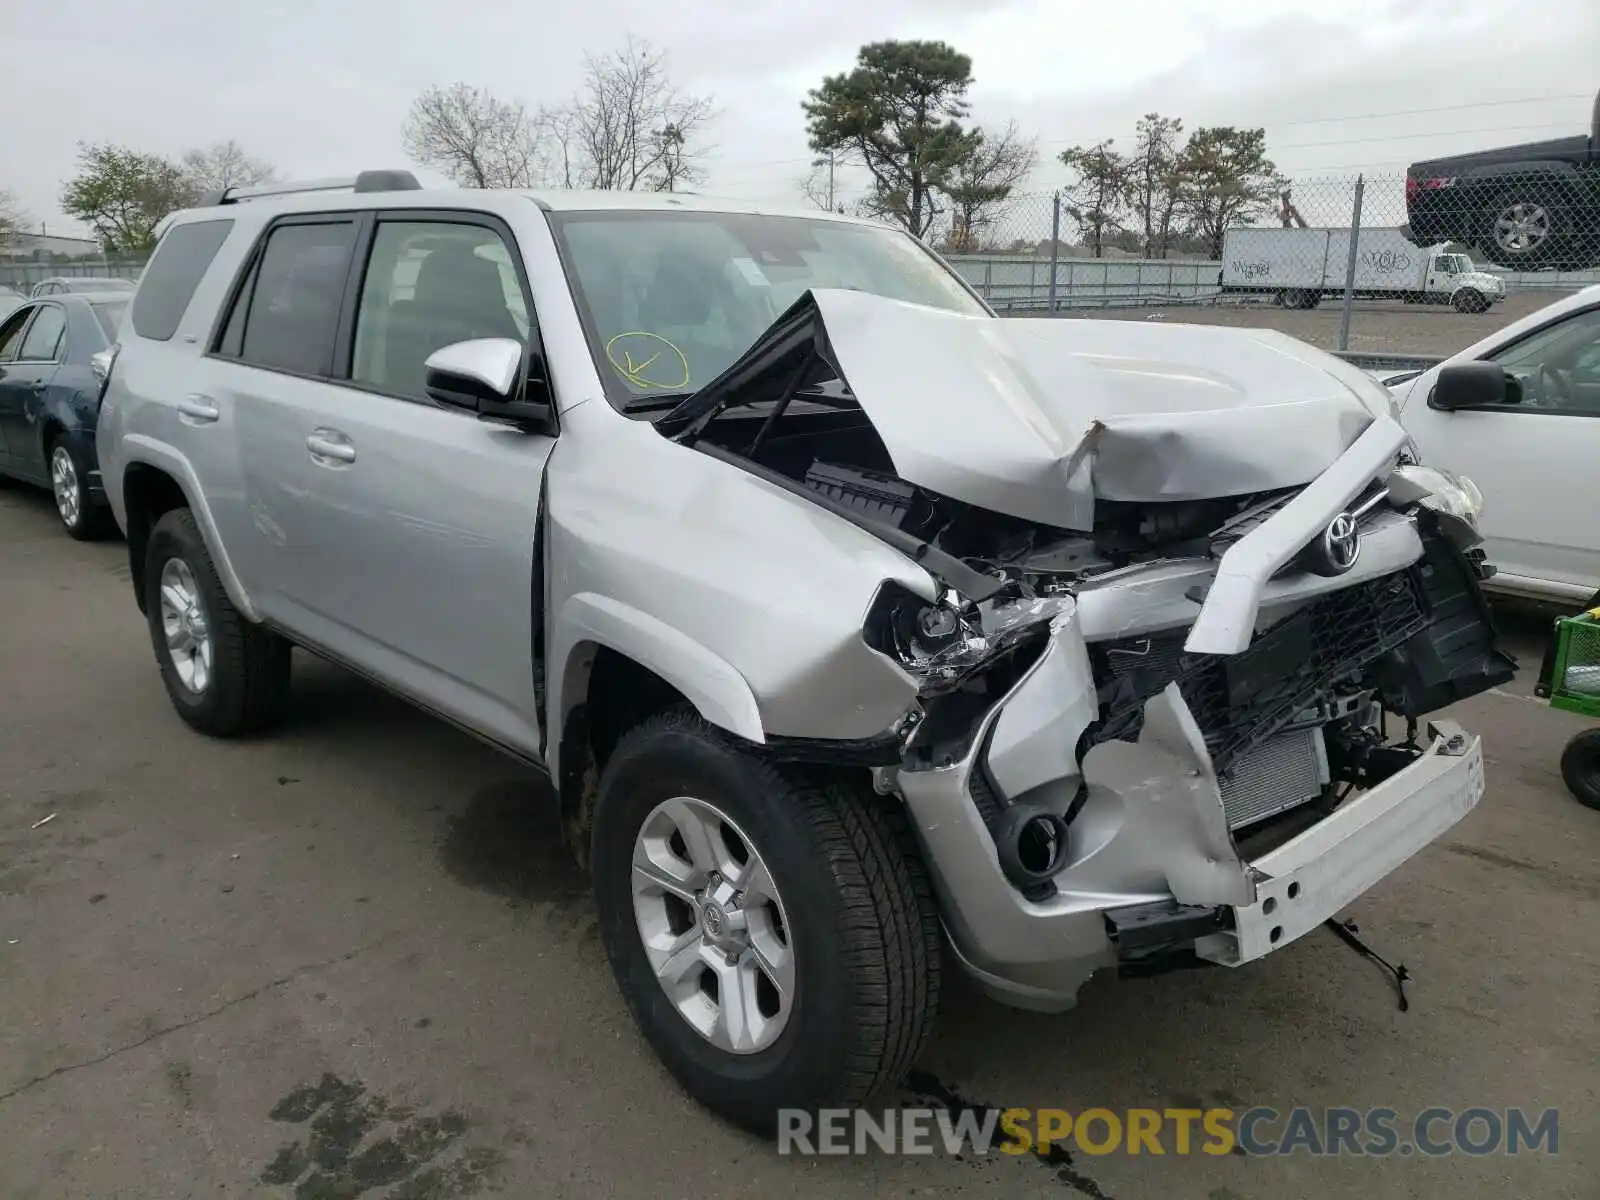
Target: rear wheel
column 1580, row 767
column 1523, row 227
column 772, row 931
column 69, row 485
column 224, row 675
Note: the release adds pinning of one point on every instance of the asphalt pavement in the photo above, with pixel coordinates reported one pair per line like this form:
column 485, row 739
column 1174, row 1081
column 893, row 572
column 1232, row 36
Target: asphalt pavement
column 350, row 960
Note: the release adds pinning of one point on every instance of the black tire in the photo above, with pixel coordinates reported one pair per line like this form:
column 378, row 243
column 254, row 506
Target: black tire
column 864, row 929
column 1580, row 768
column 93, row 521
column 248, row 688
column 1470, row 300
column 1541, row 201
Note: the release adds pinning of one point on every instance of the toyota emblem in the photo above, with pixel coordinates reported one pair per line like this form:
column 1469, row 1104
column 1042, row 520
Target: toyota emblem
column 1341, row 544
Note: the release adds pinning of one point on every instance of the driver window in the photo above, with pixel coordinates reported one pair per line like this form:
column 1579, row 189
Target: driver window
column 1559, row 367
column 430, row 284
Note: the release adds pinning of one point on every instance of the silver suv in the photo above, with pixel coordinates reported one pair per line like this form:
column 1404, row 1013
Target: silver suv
column 849, row 621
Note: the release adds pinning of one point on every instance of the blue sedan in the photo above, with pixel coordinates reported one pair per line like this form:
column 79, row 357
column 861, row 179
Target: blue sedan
column 55, row 355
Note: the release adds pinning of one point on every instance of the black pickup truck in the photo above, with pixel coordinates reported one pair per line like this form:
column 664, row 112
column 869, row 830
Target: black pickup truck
column 1530, row 207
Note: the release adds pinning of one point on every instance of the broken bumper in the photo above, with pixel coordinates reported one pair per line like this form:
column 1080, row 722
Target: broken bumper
column 1150, row 847
column 1313, row 876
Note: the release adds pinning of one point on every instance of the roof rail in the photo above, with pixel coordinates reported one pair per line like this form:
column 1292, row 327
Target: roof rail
column 367, row 181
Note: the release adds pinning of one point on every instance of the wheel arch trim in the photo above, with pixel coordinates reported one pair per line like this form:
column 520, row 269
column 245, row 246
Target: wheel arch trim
column 138, row 450
column 588, row 620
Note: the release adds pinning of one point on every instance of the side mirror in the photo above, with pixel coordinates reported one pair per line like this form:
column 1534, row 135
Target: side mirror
column 1474, row 385
column 480, row 376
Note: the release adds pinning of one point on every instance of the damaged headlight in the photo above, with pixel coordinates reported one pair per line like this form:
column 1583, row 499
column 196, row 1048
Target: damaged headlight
column 1442, row 491
column 943, row 644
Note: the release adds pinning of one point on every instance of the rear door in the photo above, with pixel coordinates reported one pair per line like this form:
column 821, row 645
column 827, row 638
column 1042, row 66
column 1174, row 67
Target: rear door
column 1533, row 460
column 24, row 382
column 399, row 534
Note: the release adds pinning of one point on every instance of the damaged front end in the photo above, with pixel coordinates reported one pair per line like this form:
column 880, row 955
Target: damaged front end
column 1173, row 693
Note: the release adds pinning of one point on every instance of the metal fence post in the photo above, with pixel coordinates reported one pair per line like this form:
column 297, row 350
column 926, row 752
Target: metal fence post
column 1055, row 245
column 1350, row 266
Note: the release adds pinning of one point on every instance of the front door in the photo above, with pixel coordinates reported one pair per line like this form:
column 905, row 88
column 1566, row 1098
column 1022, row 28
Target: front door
column 395, row 533
column 1533, row 460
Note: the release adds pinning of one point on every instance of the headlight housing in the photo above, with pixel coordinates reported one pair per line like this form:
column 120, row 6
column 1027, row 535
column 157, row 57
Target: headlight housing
column 1443, row 491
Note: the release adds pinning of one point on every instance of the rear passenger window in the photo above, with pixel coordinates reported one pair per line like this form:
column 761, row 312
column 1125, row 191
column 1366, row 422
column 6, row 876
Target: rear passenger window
column 11, row 334
column 293, row 298
column 169, row 281
column 43, row 343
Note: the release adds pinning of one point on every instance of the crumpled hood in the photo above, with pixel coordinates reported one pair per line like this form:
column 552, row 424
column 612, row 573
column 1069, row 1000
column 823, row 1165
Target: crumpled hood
column 1040, row 417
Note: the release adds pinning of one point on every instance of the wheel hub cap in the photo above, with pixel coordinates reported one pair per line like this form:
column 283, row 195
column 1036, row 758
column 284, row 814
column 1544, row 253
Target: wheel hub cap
column 64, row 485
column 183, row 624
column 1521, row 227
column 713, row 925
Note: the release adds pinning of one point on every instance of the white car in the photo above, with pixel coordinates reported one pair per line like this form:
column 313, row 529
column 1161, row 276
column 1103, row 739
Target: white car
column 1530, row 440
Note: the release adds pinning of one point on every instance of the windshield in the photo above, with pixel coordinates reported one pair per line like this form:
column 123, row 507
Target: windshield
column 1455, row 264
column 669, row 300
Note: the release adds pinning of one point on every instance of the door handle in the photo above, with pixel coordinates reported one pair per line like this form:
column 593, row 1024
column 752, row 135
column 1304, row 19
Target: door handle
column 330, row 446
column 198, row 410
column 38, row 385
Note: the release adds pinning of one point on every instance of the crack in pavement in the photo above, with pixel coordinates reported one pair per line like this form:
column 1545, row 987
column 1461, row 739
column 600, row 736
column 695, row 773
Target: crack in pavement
column 196, row 1020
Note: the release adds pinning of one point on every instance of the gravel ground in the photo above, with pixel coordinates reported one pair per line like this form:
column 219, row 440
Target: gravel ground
column 1376, row 327
column 350, row 961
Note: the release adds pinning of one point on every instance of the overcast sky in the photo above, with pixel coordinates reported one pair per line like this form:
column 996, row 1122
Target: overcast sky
column 321, row 88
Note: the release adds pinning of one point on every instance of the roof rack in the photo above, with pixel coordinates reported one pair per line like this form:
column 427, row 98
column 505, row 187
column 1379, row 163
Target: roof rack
column 367, row 181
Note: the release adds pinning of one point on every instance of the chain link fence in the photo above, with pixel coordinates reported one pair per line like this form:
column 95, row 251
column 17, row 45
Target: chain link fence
column 22, row 276
column 1385, row 264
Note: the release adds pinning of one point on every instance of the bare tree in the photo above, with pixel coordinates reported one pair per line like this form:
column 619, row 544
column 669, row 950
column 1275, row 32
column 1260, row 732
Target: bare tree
column 477, row 139
column 225, row 165
column 982, row 179
column 631, row 128
column 12, row 219
column 819, row 186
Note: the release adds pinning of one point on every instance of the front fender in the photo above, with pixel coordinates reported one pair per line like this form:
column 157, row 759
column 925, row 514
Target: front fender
column 719, row 693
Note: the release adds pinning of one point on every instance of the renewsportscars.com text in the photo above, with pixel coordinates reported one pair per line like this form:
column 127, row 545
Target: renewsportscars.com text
column 1262, row 1131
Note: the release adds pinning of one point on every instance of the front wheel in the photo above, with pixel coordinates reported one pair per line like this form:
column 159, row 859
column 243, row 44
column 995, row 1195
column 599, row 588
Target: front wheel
column 1580, row 767
column 1470, row 300
column 771, row 930
column 224, row 675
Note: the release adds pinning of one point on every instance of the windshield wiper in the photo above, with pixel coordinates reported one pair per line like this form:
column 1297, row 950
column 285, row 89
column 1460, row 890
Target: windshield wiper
column 655, row 401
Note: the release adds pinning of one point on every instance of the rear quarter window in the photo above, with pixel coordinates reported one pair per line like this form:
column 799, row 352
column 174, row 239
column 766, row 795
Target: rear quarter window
column 174, row 273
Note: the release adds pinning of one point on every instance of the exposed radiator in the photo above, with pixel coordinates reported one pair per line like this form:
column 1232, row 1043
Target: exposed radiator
column 1286, row 770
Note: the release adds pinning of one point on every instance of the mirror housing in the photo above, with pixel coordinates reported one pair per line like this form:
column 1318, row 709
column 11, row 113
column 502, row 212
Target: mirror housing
column 1474, row 385
column 480, row 376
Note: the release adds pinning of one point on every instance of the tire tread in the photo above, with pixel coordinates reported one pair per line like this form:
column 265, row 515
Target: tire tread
column 255, row 657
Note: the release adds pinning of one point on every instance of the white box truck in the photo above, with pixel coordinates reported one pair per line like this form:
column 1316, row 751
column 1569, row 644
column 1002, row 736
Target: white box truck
column 1299, row 267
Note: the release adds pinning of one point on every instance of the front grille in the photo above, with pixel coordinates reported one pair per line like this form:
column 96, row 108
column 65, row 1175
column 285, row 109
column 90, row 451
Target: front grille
column 1241, row 700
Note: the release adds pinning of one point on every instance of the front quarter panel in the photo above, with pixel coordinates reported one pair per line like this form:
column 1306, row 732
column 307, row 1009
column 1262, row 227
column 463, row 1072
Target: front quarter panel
column 745, row 597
